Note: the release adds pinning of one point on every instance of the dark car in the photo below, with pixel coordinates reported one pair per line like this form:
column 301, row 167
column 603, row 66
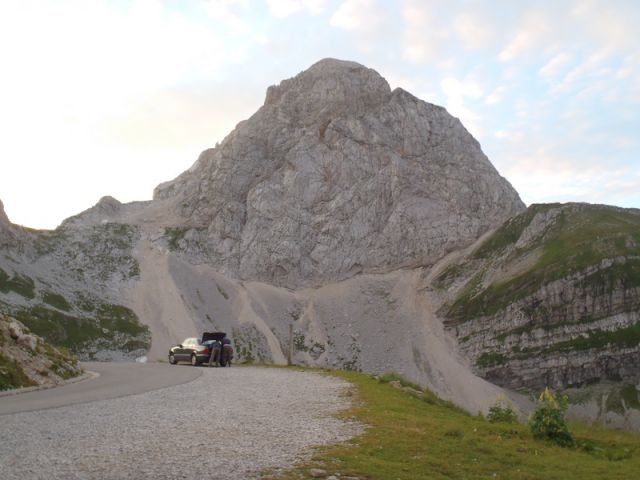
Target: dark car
column 213, row 348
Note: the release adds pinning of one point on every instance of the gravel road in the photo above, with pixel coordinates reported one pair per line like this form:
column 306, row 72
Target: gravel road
column 228, row 423
column 115, row 379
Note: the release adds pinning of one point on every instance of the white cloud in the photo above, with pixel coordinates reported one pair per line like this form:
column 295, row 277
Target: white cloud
column 534, row 27
column 226, row 12
column 286, row 8
column 456, row 91
column 510, row 136
column 473, row 30
column 73, row 67
column 561, row 181
column 553, row 66
column 422, row 37
column 142, row 85
column 358, row 16
column 592, row 66
column 613, row 27
column 495, row 96
column 398, row 80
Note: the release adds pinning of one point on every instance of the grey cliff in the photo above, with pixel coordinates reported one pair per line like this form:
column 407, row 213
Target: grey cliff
column 336, row 175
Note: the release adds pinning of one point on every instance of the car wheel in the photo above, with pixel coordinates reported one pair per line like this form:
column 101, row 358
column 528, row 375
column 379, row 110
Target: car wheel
column 172, row 359
column 194, row 361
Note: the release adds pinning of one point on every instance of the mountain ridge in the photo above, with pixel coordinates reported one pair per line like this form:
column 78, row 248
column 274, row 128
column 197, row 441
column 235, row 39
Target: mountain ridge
column 337, row 174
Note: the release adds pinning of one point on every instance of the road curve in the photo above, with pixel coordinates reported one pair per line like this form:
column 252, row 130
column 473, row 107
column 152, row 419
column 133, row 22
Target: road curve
column 115, row 380
column 231, row 423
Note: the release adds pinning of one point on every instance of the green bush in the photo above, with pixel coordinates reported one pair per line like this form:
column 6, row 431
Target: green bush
column 502, row 412
column 547, row 422
column 12, row 375
column 56, row 300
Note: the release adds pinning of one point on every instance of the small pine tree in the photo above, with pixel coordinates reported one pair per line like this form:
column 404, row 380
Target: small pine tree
column 548, row 420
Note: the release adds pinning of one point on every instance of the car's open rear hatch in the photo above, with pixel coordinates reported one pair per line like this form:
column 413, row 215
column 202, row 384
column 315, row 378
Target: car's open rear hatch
column 213, row 336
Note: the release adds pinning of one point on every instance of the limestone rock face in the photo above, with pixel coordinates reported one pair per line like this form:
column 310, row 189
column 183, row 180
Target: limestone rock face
column 335, row 175
column 8, row 232
column 6, row 227
column 552, row 298
column 32, row 360
column 4, row 220
column 105, row 210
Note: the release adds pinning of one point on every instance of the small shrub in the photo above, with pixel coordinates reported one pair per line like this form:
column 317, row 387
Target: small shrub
column 394, row 377
column 20, row 284
column 455, row 433
column 502, row 412
column 490, row 359
column 548, row 422
column 12, row 375
column 56, row 300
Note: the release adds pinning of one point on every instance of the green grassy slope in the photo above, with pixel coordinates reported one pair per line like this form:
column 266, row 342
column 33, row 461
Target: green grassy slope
column 20, row 366
column 580, row 237
column 65, row 302
column 558, row 283
column 411, row 438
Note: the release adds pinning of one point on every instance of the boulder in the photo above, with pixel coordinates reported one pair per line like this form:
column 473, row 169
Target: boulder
column 15, row 330
column 29, row 341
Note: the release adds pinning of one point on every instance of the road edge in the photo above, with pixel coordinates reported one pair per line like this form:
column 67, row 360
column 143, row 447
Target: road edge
column 87, row 375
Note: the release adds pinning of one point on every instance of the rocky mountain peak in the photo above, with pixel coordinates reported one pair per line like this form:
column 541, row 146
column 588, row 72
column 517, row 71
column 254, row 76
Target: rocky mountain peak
column 337, row 175
column 328, row 87
column 106, row 210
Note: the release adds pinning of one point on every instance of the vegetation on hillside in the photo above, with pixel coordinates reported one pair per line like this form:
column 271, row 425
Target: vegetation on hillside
column 553, row 281
column 108, row 326
column 72, row 312
column 579, row 237
column 20, row 284
column 26, row 360
column 12, row 375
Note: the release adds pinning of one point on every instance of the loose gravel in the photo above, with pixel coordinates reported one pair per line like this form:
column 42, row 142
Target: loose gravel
column 229, row 423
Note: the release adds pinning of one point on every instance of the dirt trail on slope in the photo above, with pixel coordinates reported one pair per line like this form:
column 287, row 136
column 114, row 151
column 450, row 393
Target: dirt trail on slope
column 454, row 377
column 459, row 383
column 157, row 301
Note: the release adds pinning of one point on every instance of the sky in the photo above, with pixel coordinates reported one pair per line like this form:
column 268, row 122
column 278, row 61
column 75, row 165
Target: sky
column 114, row 97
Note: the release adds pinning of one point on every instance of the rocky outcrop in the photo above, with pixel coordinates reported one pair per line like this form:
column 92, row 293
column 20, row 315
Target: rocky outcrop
column 70, row 286
column 337, row 175
column 552, row 299
column 8, row 232
column 4, row 220
column 104, row 211
column 107, row 210
column 27, row 360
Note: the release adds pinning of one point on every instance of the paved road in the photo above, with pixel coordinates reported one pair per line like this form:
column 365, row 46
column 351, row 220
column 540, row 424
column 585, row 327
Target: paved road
column 231, row 423
column 115, row 380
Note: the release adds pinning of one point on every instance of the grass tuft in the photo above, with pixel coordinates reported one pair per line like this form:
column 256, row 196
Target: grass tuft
column 12, row 375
